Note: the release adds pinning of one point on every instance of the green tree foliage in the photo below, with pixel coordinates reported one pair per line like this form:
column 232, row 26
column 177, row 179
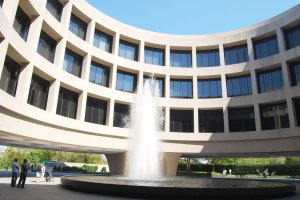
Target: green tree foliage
column 38, row 155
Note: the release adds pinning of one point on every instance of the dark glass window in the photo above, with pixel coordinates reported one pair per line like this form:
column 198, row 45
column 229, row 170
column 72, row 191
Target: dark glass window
column 128, row 50
column 237, row 54
column 211, row 88
column 181, row 88
column 103, row 41
column 99, row 74
column 274, row 116
column 95, row 111
column 10, row 76
column 211, row 121
column 181, row 121
column 241, row 119
column 154, row 56
column 67, row 103
column 265, row 47
column 126, row 81
column 38, row 92
column 47, row 46
column 22, row 23
column 270, row 80
column 181, row 58
column 295, row 73
column 208, row 58
column 1, row 3
column 73, row 63
column 292, row 37
column 55, row 8
column 78, row 27
column 121, row 115
column 161, row 84
column 239, row 86
column 297, row 111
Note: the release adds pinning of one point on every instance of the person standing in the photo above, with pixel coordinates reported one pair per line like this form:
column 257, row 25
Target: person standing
column 24, row 172
column 15, row 169
column 42, row 172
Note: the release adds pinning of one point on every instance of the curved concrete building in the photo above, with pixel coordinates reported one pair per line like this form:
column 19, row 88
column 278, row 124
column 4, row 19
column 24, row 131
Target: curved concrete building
column 69, row 73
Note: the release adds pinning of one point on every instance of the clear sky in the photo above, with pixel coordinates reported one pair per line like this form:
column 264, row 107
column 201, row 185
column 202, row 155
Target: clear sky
column 190, row 17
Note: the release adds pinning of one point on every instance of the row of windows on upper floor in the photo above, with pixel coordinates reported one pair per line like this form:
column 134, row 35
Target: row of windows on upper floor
column 205, row 58
column 267, row 80
column 272, row 116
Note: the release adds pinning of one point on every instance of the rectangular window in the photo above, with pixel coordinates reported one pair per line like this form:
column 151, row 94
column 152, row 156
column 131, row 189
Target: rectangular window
column 67, row 103
column 154, row 56
column 121, row 115
column 99, row 74
column 295, row 73
column 265, row 47
column 292, row 37
column 73, row 63
column 181, row 58
column 211, row 121
column 270, row 80
column 181, row 88
column 241, row 119
column 103, row 41
column 22, row 23
column 78, row 27
column 237, row 54
column 208, row 58
column 128, row 50
column 47, row 46
column 209, row 88
column 181, row 121
column 55, row 8
column 161, row 84
column 126, row 82
column 297, row 111
column 1, row 3
column 38, row 92
column 10, row 76
column 274, row 116
column 95, row 111
column 239, row 86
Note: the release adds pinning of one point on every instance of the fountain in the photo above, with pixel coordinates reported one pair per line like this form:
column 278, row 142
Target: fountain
column 144, row 173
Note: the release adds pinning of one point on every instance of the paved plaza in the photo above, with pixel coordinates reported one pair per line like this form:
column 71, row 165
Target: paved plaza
column 54, row 191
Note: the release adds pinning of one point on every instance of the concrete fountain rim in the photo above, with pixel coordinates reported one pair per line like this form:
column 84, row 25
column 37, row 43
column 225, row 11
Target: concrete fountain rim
column 107, row 185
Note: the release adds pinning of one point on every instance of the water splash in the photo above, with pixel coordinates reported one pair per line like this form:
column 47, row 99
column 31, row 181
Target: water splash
column 145, row 120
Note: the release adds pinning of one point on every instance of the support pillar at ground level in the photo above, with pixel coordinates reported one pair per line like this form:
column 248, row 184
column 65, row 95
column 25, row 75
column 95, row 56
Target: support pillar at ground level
column 116, row 163
column 170, row 163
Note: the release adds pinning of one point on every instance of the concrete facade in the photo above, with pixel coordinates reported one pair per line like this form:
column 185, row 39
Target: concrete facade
column 22, row 124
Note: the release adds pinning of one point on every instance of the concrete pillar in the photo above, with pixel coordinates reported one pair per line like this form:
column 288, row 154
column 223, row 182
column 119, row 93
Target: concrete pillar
column 250, row 49
column 24, row 83
column 116, row 163
column 170, row 163
column 222, row 57
column 81, row 106
column 110, row 112
column 115, row 45
column 194, row 57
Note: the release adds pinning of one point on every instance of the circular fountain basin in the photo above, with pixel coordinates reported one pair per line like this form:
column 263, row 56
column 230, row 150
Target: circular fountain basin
column 180, row 187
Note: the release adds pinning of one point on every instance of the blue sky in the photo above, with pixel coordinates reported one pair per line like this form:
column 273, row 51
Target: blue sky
column 190, row 17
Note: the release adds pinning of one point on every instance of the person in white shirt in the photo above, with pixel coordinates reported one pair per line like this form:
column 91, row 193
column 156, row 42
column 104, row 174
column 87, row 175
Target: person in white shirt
column 15, row 169
column 42, row 174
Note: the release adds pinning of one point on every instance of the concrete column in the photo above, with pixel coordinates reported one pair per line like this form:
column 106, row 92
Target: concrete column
column 24, row 83
column 113, row 77
column 284, row 65
column 34, row 32
column 194, row 57
column 170, row 163
column 65, row 16
column 167, row 56
column 196, row 124
column 115, row 44
column 140, row 81
column 250, row 49
column 224, row 88
column 9, row 8
column 167, row 119
column 257, row 117
column 90, row 32
column 141, row 51
column 254, row 82
column 3, row 50
column 53, row 96
column 222, row 57
column 80, row 115
column 116, row 163
column 110, row 113
column 195, row 87
column 226, row 119
column 280, row 40
column 291, row 111
column 86, row 65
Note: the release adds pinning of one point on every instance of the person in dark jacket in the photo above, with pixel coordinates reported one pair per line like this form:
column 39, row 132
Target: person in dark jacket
column 24, row 172
column 15, row 169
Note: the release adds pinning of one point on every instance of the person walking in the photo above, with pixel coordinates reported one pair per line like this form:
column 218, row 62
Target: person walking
column 24, row 172
column 15, row 169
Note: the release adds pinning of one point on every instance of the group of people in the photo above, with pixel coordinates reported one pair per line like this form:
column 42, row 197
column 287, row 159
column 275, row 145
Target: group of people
column 24, row 171
column 226, row 173
column 40, row 173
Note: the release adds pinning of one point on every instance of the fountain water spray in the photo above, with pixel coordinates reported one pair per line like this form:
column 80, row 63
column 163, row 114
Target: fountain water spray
column 145, row 122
